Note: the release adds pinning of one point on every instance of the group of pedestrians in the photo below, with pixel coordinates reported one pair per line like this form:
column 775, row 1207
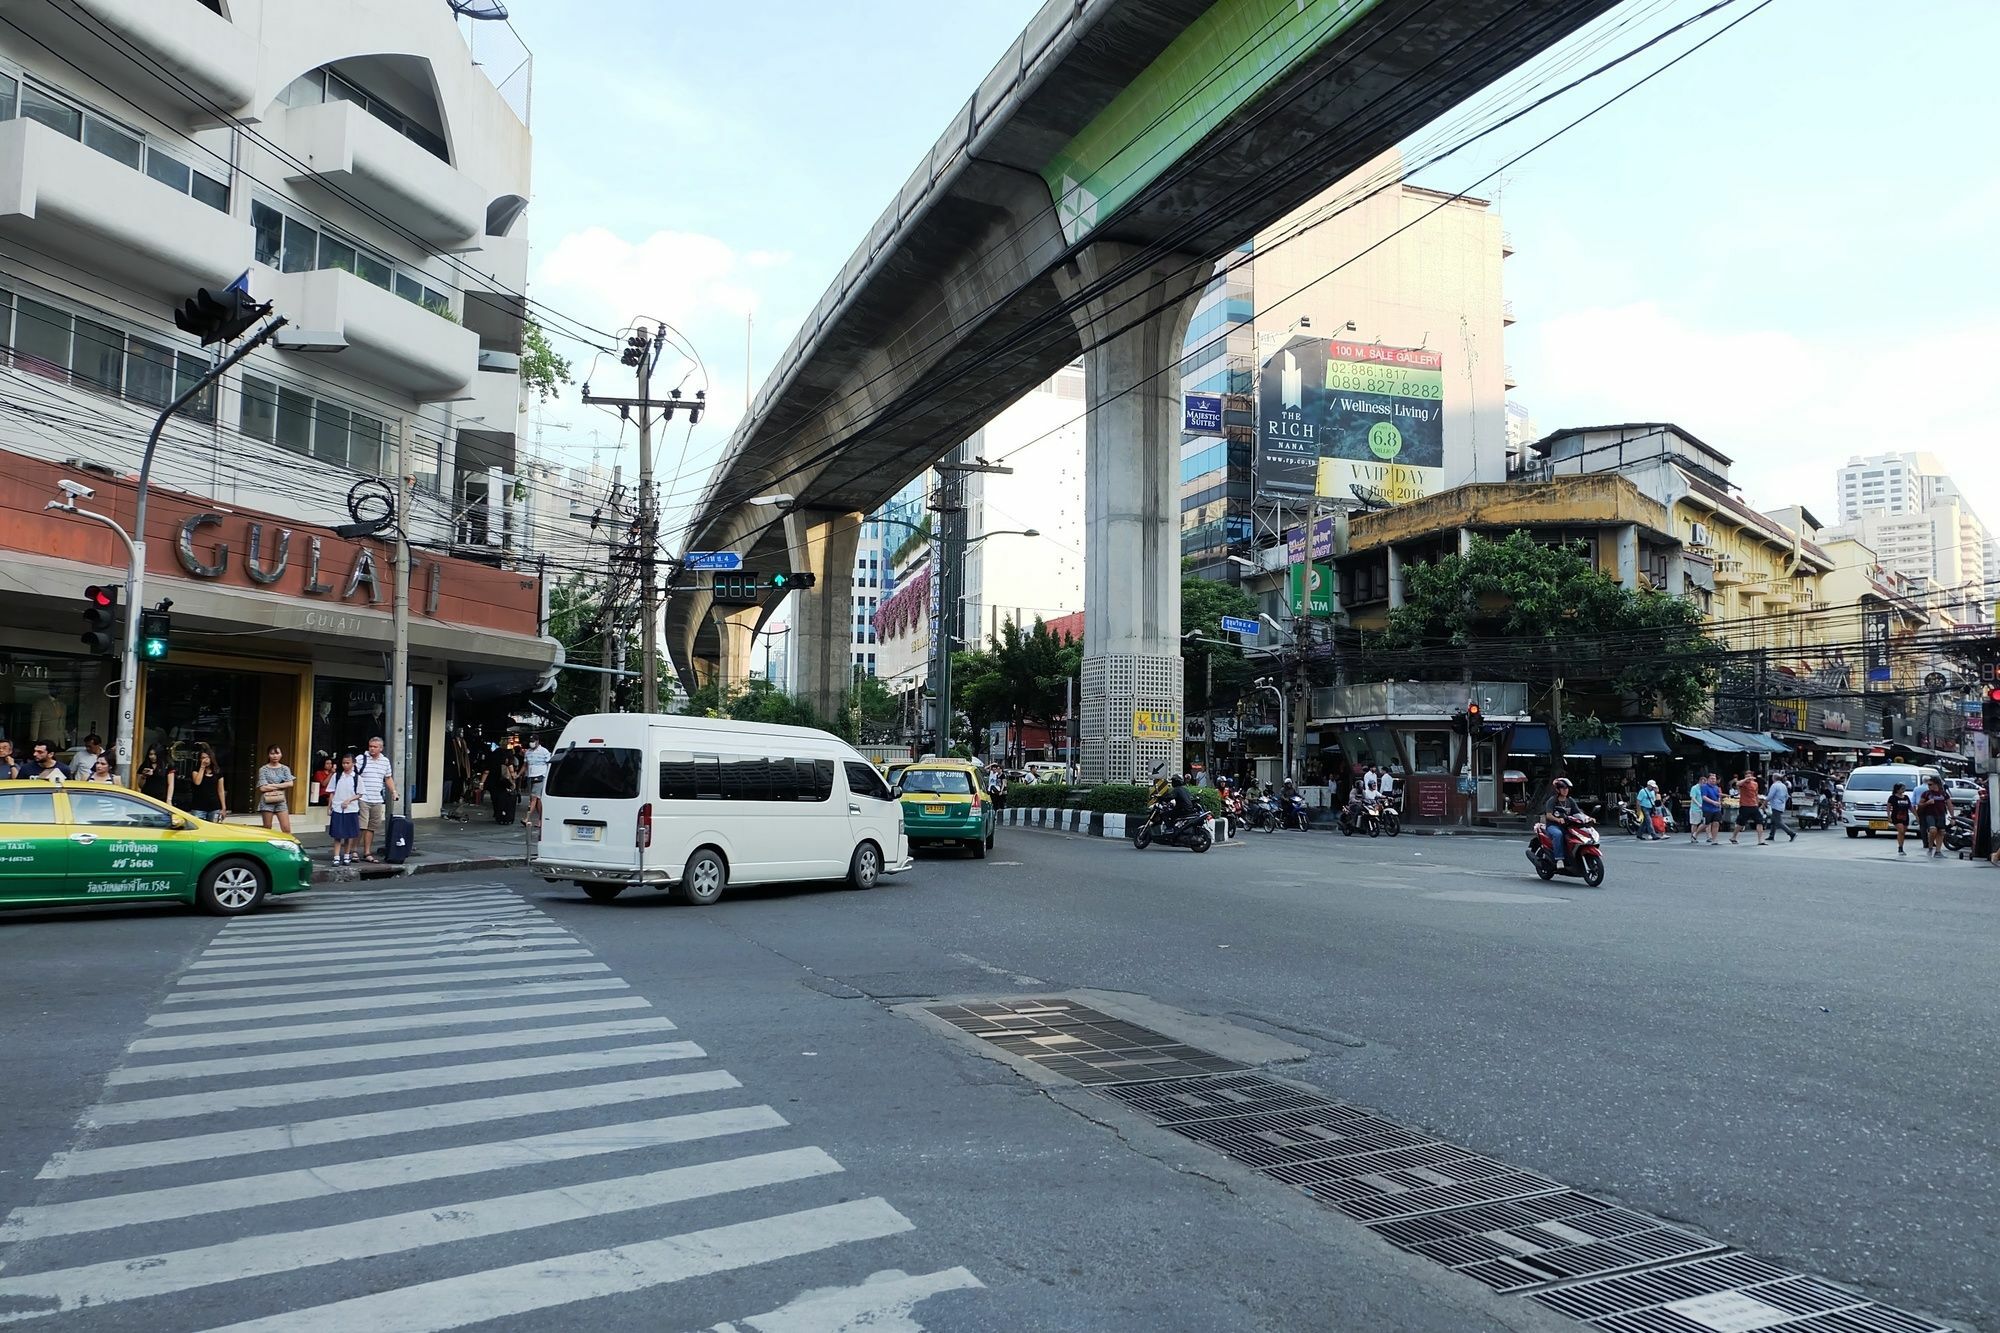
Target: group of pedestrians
column 1932, row 808
column 359, row 791
column 1757, row 810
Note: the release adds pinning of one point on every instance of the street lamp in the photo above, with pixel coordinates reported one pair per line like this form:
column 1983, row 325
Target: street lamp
column 778, row 498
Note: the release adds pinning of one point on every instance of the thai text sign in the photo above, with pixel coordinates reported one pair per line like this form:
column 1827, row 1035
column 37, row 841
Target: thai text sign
column 1351, row 419
column 1156, row 724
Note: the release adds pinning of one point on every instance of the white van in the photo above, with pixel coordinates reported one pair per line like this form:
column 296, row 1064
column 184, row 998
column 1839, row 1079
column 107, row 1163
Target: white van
column 1867, row 800
column 697, row 804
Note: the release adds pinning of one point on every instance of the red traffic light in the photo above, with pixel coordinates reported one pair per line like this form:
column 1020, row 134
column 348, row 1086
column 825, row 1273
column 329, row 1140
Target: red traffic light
column 1993, row 695
column 101, row 597
column 1473, row 711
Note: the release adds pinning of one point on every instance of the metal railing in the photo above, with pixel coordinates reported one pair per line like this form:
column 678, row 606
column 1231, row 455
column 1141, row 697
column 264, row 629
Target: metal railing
column 1419, row 698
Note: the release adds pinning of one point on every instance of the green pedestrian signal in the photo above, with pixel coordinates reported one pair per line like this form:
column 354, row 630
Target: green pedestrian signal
column 156, row 627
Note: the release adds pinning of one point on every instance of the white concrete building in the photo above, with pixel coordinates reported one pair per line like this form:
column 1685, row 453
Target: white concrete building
column 358, row 164
column 1009, row 577
column 1909, row 511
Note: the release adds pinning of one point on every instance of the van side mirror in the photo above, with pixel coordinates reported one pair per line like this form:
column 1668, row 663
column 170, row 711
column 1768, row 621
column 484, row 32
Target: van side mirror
column 896, row 791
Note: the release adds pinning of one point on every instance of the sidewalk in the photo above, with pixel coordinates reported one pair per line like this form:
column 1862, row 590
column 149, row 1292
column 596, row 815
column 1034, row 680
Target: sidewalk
column 438, row 846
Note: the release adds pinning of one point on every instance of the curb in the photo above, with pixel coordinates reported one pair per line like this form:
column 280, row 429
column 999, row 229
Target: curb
column 1084, row 822
column 368, row 873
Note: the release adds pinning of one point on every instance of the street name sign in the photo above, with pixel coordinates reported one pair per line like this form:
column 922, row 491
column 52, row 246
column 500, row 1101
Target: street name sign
column 724, row 560
column 1238, row 625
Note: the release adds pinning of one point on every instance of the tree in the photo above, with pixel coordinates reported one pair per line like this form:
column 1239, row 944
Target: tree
column 871, row 715
column 543, row 373
column 1546, row 614
column 1204, row 602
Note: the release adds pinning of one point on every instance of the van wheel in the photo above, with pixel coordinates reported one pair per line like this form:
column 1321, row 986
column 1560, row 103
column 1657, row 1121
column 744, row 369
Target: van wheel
column 865, row 870
column 231, row 888
column 601, row 893
column 1854, row 833
column 704, row 878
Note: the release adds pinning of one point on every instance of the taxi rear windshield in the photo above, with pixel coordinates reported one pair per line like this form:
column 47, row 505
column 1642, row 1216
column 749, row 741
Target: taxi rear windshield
column 595, row 774
column 945, row 781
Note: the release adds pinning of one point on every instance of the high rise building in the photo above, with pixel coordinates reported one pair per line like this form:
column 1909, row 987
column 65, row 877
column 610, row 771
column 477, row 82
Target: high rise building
column 1430, row 293
column 1909, row 511
column 377, row 201
column 1009, row 576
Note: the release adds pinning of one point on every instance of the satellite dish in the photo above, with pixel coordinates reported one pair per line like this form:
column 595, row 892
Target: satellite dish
column 478, row 9
column 1370, row 497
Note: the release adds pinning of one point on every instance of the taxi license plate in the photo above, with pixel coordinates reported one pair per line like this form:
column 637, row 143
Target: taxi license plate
column 588, row 833
column 933, row 809
column 1878, row 825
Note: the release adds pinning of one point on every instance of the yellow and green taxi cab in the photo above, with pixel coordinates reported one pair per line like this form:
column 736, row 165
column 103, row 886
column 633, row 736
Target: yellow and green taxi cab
column 84, row 843
column 945, row 800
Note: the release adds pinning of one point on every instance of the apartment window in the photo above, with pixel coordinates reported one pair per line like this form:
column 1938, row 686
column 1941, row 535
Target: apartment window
column 50, row 340
column 323, row 85
column 109, row 138
column 316, row 427
column 291, row 246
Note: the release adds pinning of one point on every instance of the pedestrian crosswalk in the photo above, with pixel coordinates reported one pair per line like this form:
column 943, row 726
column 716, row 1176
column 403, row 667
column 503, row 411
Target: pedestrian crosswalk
column 342, row 1117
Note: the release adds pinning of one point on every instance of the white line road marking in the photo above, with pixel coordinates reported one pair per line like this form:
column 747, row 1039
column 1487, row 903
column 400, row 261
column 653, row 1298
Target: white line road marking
column 458, row 921
column 405, row 935
column 380, row 983
column 370, row 1085
column 884, row 1297
column 402, row 965
column 232, row 1013
column 513, row 940
column 100, row 1284
column 243, row 927
column 195, row 1041
column 384, row 1050
column 545, row 1283
column 373, row 1124
column 222, row 1196
column 293, row 909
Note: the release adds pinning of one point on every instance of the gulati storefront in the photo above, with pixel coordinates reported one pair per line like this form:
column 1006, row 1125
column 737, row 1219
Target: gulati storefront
column 281, row 634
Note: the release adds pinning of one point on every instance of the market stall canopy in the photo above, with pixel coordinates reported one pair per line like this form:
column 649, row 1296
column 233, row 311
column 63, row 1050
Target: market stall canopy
column 1713, row 740
column 1755, row 742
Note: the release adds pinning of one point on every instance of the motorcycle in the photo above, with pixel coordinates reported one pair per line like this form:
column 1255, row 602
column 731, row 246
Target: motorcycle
column 1261, row 812
column 1584, row 855
column 1369, row 817
column 1196, row 832
column 1959, row 833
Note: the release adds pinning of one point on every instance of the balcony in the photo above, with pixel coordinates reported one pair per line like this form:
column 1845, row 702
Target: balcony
column 1729, row 571
column 1507, row 377
column 1506, row 313
column 350, row 151
column 1419, row 699
column 213, row 62
column 64, row 198
column 390, row 340
column 494, row 304
column 496, row 398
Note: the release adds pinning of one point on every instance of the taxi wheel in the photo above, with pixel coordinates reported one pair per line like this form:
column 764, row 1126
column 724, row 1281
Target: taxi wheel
column 231, row 888
column 991, row 834
column 979, row 849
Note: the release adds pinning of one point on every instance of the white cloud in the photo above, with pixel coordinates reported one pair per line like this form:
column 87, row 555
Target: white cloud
column 685, row 277
column 1789, row 408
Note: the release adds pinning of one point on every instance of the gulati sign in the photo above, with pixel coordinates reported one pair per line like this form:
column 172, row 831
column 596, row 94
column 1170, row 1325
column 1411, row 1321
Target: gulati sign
column 268, row 556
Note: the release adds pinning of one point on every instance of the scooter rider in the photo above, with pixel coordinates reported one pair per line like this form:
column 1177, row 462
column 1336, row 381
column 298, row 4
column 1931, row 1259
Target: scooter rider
column 1561, row 813
column 1180, row 805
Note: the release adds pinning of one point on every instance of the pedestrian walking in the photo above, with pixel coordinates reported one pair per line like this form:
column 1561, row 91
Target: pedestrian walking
column 205, row 795
column 343, row 821
column 1749, row 809
column 376, row 777
column 1709, row 796
column 1694, row 810
column 502, row 781
column 274, row 784
column 157, row 777
column 535, row 770
column 1933, row 813
column 1649, row 801
column 42, row 765
column 1779, row 799
column 1899, row 815
column 100, row 772
column 10, row 767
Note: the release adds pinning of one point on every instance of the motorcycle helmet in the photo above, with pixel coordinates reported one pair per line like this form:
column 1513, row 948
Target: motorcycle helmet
column 1564, row 783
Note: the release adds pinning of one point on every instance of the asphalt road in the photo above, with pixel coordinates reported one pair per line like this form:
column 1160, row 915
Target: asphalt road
column 1790, row 1049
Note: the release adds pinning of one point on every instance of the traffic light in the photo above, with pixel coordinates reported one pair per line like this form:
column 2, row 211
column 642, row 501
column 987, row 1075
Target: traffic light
column 219, row 316
column 786, row 580
column 739, row 588
column 101, row 621
column 1989, row 712
column 1475, row 718
column 156, row 627
column 1458, row 723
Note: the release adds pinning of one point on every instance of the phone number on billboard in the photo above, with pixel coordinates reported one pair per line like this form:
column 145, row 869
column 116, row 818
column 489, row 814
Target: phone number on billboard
column 1395, row 380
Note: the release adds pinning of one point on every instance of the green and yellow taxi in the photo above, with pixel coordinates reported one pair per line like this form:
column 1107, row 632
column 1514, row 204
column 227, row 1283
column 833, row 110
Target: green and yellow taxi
column 89, row 843
column 945, row 800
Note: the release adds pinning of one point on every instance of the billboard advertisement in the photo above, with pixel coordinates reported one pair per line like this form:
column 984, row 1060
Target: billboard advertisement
column 1875, row 638
column 1350, row 420
column 1312, row 590
column 1201, row 414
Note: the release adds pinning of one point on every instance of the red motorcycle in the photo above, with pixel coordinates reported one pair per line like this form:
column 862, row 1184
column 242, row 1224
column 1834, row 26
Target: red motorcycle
column 1584, row 856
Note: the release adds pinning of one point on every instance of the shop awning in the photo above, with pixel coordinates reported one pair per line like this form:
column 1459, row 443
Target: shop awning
column 1530, row 738
column 1713, row 741
column 1755, row 742
column 1634, row 738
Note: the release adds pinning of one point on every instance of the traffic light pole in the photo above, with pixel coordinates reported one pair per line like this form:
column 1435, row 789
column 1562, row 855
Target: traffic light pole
column 135, row 544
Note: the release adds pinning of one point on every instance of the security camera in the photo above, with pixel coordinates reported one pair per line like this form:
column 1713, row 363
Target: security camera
column 76, row 490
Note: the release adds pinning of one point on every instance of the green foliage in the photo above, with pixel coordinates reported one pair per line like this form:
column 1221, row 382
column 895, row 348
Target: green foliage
column 1019, row 679
column 573, row 613
column 757, row 701
column 1133, row 798
column 1038, row 795
column 1646, row 647
column 917, row 538
column 1204, row 602
column 543, row 373
column 871, row 715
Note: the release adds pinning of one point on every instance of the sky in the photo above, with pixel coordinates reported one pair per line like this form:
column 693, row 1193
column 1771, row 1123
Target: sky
column 1788, row 243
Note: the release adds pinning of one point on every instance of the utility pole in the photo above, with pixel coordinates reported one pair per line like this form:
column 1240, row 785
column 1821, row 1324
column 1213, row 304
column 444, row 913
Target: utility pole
column 950, row 507
column 399, row 655
column 642, row 354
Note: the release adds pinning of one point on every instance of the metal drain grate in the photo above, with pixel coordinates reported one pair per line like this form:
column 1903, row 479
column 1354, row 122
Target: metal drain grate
column 1081, row 1043
column 1727, row 1294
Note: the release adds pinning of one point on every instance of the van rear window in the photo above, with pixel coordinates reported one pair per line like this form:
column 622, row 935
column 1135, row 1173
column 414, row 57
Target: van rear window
column 1863, row 779
column 595, row 773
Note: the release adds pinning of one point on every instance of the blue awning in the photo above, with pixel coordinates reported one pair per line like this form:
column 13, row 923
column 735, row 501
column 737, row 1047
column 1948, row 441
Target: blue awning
column 1754, row 742
column 1712, row 740
column 1529, row 738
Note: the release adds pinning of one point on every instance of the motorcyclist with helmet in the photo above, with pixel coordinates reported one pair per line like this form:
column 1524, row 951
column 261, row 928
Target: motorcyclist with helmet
column 1562, row 812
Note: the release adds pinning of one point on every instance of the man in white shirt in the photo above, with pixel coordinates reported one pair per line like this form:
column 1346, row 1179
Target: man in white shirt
column 535, row 765
column 1371, row 784
column 1387, row 784
column 84, row 758
column 377, row 779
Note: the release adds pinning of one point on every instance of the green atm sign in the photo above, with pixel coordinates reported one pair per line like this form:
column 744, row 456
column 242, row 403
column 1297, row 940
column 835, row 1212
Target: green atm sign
column 1312, row 590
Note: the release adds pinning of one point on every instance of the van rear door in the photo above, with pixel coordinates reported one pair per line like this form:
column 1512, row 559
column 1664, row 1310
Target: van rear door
column 591, row 808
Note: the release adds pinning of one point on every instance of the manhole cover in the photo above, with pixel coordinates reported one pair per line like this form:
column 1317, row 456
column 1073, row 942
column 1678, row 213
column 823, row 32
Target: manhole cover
column 1729, row 1293
column 1081, row 1043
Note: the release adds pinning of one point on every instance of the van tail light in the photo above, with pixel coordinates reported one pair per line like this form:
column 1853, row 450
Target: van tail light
column 642, row 835
column 975, row 803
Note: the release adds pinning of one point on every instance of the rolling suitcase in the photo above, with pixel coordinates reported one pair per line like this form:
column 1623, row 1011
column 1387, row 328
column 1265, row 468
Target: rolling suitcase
column 397, row 848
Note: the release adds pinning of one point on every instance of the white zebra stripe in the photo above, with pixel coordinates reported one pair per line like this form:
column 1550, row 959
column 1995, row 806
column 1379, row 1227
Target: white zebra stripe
column 382, row 983
column 223, row 1196
column 409, row 935
column 195, row 1041
column 348, row 969
column 518, row 939
column 546, row 1283
column 373, row 1124
column 236, row 1013
column 290, row 934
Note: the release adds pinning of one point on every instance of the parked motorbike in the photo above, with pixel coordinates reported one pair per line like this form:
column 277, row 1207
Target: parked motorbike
column 1584, row 855
column 1196, row 832
column 1958, row 834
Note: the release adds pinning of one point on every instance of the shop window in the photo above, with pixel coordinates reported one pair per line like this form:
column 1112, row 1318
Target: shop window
column 1432, row 750
column 54, row 697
